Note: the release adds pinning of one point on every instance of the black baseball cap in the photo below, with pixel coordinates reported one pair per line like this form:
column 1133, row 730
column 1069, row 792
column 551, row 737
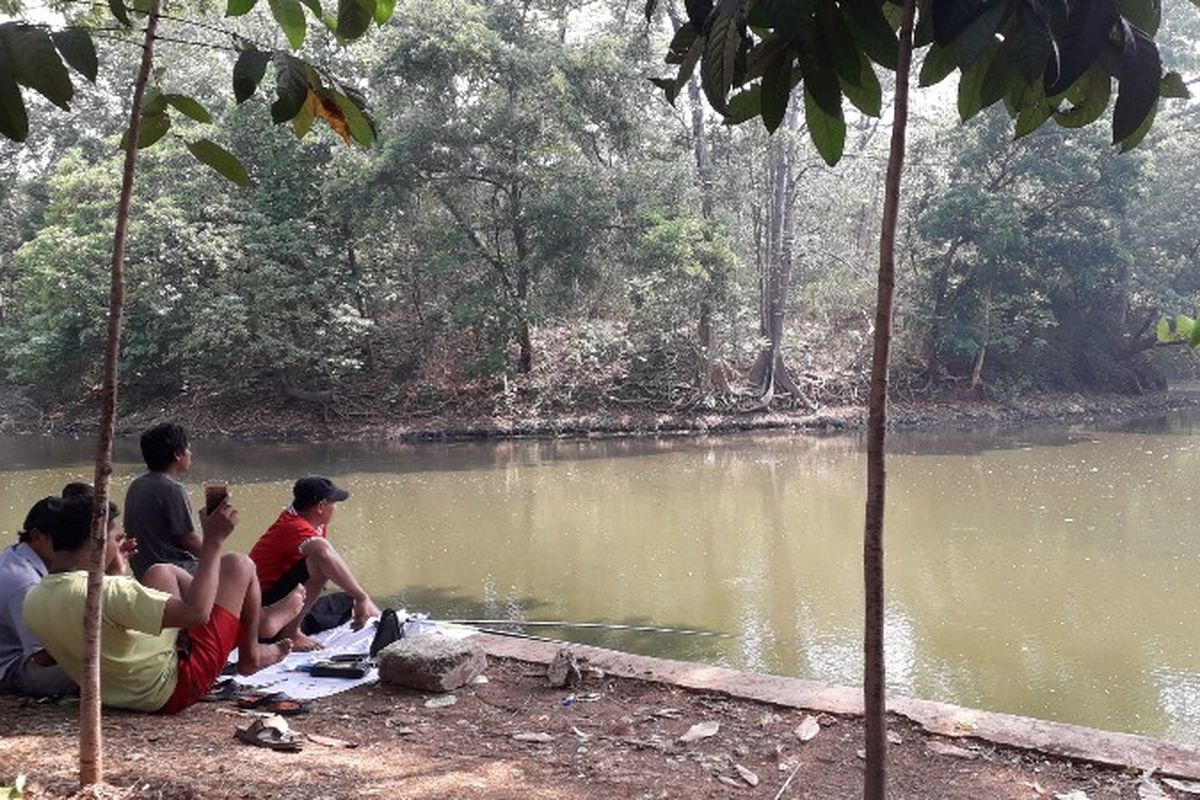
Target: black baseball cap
column 42, row 516
column 312, row 489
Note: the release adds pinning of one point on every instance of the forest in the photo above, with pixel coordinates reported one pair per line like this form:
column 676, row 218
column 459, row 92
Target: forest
column 535, row 227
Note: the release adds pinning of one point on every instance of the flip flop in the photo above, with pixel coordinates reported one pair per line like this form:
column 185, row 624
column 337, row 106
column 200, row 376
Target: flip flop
column 226, row 689
column 272, row 733
column 257, row 700
column 287, row 706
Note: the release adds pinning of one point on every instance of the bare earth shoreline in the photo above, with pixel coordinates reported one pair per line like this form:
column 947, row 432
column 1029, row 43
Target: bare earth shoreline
column 19, row 415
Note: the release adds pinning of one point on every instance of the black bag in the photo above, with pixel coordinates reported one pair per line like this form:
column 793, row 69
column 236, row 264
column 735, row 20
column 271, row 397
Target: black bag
column 330, row 611
column 390, row 630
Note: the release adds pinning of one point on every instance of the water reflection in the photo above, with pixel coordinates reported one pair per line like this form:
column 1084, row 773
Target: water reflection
column 1045, row 573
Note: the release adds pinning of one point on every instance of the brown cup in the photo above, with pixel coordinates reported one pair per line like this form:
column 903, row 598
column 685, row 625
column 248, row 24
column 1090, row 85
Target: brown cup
column 214, row 495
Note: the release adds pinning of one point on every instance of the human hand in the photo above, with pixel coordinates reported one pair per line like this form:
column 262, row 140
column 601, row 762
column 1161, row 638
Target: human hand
column 218, row 524
column 129, row 546
column 364, row 609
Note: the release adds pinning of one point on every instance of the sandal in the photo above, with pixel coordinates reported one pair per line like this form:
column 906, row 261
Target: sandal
column 275, row 703
column 226, row 689
column 272, row 733
column 257, row 700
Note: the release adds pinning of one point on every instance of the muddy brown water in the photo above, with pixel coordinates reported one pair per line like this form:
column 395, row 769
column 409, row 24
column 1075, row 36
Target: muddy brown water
column 1052, row 573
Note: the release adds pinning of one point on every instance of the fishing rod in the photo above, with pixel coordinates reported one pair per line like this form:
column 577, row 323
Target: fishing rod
column 606, row 626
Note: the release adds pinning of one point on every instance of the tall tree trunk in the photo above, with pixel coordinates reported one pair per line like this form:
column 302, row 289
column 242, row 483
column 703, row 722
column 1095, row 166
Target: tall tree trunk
column 91, row 754
column 976, row 390
column 874, row 675
column 769, row 372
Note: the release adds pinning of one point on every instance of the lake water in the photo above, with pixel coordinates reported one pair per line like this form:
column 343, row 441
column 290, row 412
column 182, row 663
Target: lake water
column 1053, row 573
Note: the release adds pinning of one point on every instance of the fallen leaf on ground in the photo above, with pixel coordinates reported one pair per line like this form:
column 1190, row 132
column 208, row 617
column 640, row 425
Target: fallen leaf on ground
column 1187, row 787
column 441, row 701
column 701, row 730
column 728, row 781
column 953, row 750
column 329, row 741
column 668, row 713
column 533, row 737
column 747, row 775
column 808, row 728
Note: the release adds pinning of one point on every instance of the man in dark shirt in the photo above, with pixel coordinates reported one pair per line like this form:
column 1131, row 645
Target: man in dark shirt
column 158, row 512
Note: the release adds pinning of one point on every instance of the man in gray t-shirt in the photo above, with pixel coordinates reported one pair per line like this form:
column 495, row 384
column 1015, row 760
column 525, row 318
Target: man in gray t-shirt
column 158, row 512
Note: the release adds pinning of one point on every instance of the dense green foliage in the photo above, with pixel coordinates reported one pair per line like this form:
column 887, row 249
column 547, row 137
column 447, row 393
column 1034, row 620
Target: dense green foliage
column 531, row 205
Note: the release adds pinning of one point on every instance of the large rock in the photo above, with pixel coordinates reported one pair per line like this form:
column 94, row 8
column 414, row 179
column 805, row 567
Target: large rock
column 431, row 662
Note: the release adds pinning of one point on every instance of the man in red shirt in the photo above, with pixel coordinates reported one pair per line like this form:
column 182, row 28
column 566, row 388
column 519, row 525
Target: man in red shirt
column 295, row 551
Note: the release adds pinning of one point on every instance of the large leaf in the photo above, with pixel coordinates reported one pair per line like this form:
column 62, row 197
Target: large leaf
column 1088, row 27
column 248, row 72
column 354, row 17
column 1172, row 85
column 1145, row 14
column 952, row 17
column 189, row 107
column 776, row 90
column 150, row 130
column 236, row 8
column 828, row 132
column 867, row 96
column 938, row 63
column 1094, row 91
column 302, row 123
column 77, row 49
column 698, row 12
column 291, row 86
column 357, row 122
column 117, row 9
column 1134, row 139
column 746, row 104
column 14, row 122
column 1032, row 117
column 979, row 35
column 220, row 159
column 681, row 43
column 872, row 31
column 720, row 53
column 1036, row 48
column 1140, row 75
column 821, row 81
column 792, row 18
column 835, row 36
column 154, row 103
column 384, row 10
column 290, row 16
column 35, row 63
column 970, row 85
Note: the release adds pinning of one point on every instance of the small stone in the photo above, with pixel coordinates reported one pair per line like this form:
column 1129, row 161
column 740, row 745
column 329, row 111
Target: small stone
column 1072, row 795
column 768, row 719
column 564, row 671
column 479, row 680
column 539, row 738
column 747, row 775
column 894, row 738
column 808, row 728
column 441, row 701
column 701, row 730
column 728, row 781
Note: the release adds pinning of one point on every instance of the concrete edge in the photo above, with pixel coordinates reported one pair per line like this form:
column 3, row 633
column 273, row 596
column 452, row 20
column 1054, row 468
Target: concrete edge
column 1053, row 738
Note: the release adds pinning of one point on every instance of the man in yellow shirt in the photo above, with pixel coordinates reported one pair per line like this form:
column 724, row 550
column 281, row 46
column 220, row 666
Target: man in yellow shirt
column 142, row 665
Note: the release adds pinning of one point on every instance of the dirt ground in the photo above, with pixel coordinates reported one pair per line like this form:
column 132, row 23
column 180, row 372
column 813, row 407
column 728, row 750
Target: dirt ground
column 515, row 737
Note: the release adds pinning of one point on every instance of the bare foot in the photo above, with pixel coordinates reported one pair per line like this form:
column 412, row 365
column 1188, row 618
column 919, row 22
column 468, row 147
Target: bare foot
column 280, row 613
column 262, row 656
column 305, row 644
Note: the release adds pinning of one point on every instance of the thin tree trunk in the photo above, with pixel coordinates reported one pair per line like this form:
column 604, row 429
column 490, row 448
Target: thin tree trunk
column 874, row 675
column 91, row 756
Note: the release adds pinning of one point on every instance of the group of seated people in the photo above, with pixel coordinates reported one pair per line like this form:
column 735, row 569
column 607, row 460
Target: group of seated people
column 168, row 629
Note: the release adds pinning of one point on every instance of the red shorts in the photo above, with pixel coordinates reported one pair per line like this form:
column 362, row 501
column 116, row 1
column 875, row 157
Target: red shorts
column 211, row 645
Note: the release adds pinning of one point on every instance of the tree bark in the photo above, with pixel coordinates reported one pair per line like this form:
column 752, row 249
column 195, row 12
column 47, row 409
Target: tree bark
column 91, row 754
column 769, row 372
column 874, row 674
